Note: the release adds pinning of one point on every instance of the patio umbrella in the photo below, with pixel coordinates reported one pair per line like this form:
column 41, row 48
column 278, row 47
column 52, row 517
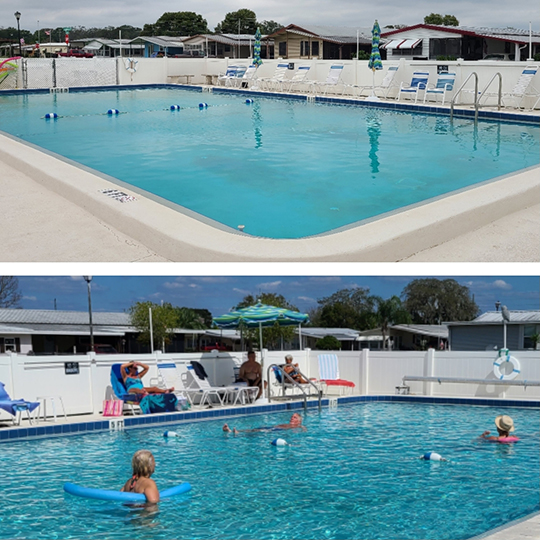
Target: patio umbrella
column 375, row 57
column 257, row 49
column 259, row 316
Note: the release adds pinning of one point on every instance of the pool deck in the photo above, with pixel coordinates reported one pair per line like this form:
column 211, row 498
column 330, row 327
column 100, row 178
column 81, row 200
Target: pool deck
column 521, row 529
column 54, row 211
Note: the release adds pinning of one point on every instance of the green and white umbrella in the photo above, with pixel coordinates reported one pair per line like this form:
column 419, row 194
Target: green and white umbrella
column 259, row 316
column 375, row 62
column 257, row 49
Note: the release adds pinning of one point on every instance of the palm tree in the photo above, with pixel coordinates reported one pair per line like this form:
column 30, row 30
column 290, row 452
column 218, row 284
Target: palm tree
column 390, row 311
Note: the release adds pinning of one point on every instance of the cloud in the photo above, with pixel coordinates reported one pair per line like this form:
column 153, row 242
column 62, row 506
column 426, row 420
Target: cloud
column 306, row 299
column 270, row 285
column 31, row 298
column 173, row 285
column 489, row 285
column 501, row 284
column 241, row 291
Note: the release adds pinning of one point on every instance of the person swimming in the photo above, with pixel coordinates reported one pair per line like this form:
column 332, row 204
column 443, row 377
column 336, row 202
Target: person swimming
column 144, row 465
column 505, row 426
column 294, row 423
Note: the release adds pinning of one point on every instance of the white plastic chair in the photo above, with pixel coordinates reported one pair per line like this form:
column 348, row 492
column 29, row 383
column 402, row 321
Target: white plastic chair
column 523, row 87
column 329, row 374
column 444, row 85
column 277, row 79
column 229, row 75
column 298, row 78
column 333, row 79
column 387, row 84
column 419, row 82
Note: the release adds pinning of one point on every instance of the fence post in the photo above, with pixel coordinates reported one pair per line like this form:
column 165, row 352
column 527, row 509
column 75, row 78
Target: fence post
column 364, row 372
column 429, row 363
column 96, row 404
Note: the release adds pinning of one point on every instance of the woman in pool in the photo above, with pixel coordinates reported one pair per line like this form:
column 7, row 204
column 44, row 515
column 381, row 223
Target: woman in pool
column 505, row 426
column 144, row 465
column 294, row 423
column 133, row 380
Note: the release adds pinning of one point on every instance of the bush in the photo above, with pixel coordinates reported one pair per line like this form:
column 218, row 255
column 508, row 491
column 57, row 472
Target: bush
column 328, row 343
column 362, row 55
column 447, row 58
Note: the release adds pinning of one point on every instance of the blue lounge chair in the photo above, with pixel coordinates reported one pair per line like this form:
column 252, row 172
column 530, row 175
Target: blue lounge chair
column 120, row 390
column 15, row 407
column 418, row 83
column 443, row 86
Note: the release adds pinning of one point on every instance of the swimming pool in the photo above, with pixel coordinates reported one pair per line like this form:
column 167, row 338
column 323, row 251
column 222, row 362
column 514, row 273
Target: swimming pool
column 283, row 168
column 354, row 474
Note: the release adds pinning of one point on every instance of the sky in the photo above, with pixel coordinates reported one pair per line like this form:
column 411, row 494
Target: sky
column 220, row 293
column 351, row 13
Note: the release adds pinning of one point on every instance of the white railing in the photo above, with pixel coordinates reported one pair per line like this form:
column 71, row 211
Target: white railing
column 373, row 372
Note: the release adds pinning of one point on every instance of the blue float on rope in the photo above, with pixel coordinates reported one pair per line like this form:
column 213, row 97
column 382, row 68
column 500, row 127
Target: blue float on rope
column 249, row 100
column 51, row 115
column 121, row 496
column 175, row 107
column 203, row 105
column 432, row 456
column 112, row 112
column 280, row 442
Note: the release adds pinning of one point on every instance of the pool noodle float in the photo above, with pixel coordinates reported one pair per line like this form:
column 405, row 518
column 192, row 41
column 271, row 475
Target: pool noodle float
column 121, row 496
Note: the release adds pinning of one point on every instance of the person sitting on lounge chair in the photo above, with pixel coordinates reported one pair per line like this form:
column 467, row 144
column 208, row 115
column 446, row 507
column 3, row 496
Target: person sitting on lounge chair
column 133, row 380
column 290, row 369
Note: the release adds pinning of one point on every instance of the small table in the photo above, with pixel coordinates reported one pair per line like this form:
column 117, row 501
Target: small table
column 211, row 78
column 53, row 400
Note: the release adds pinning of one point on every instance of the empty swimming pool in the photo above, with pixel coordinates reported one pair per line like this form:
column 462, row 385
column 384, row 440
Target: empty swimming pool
column 282, row 168
column 354, row 474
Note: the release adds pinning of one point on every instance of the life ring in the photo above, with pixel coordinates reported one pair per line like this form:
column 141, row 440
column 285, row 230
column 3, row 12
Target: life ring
column 504, row 356
column 131, row 64
column 121, row 496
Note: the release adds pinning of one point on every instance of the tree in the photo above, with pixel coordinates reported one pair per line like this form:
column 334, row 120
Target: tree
column 189, row 319
column 164, row 321
column 390, row 311
column 243, row 21
column 433, row 301
column 436, row 18
column 273, row 336
column 179, row 23
column 269, row 27
column 328, row 343
column 348, row 308
column 9, row 292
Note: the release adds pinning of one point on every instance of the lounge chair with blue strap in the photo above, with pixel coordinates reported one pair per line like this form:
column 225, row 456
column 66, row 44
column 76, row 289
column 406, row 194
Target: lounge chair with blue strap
column 132, row 401
column 333, row 80
column 297, row 79
column 329, row 374
column 523, row 88
column 225, row 78
column 16, row 407
column 418, row 84
column 278, row 78
column 443, row 87
column 382, row 90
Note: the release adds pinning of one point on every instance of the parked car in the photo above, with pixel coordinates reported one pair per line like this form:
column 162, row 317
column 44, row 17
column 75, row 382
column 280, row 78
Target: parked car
column 501, row 57
column 104, row 349
column 76, row 53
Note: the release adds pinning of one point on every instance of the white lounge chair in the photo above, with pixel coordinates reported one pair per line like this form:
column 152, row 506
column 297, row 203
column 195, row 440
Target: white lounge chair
column 333, row 80
column 523, row 88
column 236, row 81
column 249, row 76
column 387, row 84
column 329, row 374
column 298, row 78
column 280, row 74
column 225, row 78
column 444, row 86
column 419, row 83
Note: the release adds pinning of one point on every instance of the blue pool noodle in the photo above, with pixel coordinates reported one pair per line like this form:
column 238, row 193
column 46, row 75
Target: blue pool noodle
column 121, row 496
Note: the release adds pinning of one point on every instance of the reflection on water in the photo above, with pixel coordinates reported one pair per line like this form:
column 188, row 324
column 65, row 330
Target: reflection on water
column 257, row 123
column 373, row 123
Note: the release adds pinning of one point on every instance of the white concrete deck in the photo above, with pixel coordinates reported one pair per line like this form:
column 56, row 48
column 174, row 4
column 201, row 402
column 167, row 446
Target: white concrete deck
column 53, row 211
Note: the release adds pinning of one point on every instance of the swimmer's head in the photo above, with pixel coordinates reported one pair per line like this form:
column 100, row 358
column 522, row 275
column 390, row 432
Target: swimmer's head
column 296, row 419
column 143, row 463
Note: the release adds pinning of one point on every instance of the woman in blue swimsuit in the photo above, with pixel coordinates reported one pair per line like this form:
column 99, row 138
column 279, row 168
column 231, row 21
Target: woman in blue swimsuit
column 133, row 380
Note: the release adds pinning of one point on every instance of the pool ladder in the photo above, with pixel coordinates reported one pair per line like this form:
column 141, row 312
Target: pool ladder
column 287, row 382
column 477, row 95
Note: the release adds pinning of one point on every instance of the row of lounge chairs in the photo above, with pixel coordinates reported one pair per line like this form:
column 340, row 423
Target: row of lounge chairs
column 419, row 88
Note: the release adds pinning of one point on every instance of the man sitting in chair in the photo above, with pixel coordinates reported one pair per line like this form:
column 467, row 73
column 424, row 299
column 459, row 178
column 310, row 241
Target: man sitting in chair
column 290, row 369
column 251, row 372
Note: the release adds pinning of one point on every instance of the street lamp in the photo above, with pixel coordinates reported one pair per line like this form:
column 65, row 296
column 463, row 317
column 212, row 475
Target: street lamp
column 18, row 17
column 497, row 305
column 88, row 279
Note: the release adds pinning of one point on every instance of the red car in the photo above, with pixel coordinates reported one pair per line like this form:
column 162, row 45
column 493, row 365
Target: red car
column 76, row 53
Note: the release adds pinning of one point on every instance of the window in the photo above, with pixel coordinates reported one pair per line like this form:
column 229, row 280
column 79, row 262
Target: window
column 282, row 49
column 315, row 48
column 530, row 337
column 304, row 48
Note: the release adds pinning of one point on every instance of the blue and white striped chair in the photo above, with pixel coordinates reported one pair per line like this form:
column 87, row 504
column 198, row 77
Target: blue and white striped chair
column 225, row 78
column 418, row 83
column 444, row 85
column 333, row 80
column 523, row 88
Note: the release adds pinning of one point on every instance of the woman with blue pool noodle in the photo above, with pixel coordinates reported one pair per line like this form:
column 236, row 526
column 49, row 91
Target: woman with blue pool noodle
column 144, row 465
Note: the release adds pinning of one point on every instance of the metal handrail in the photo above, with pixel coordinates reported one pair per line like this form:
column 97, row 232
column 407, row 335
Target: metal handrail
column 488, row 85
column 475, row 95
column 295, row 384
column 441, row 380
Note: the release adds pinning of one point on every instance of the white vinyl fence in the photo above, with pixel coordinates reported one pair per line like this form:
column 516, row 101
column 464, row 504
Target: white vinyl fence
column 373, row 372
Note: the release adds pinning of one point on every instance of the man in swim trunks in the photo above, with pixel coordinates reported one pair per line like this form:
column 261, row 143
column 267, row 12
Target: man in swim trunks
column 133, row 380
column 251, row 372
column 294, row 423
column 290, row 369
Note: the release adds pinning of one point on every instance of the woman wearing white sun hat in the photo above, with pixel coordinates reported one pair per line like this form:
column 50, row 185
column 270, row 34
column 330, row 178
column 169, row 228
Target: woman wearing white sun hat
column 505, row 426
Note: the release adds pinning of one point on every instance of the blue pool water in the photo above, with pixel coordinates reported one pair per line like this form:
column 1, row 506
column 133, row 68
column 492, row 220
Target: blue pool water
column 282, row 168
column 355, row 474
